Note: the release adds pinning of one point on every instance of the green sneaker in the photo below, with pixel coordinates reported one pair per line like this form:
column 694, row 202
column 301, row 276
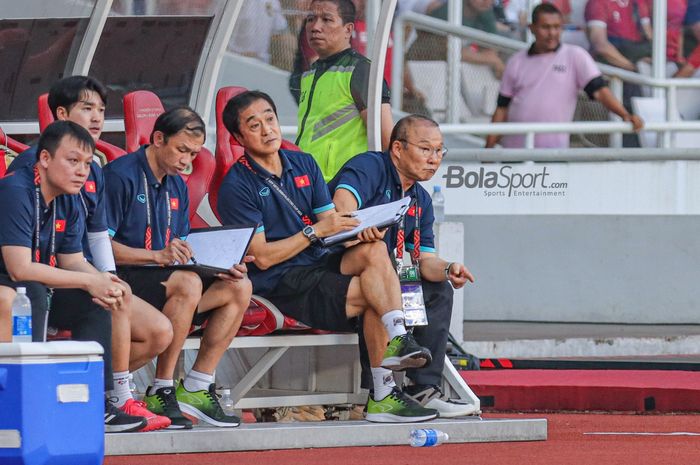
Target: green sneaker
column 397, row 407
column 164, row 402
column 204, row 405
column 403, row 352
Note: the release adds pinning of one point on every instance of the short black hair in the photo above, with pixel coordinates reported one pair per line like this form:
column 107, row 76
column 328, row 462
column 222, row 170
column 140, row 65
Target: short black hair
column 544, row 9
column 240, row 102
column 55, row 132
column 69, row 91
column 182, row 118
column 400, row 131
column 346, row 9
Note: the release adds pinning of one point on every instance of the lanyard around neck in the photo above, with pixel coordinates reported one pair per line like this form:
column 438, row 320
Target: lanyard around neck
column 37, row 218
column 148, row 240
column 401, row 233
column 277, row 188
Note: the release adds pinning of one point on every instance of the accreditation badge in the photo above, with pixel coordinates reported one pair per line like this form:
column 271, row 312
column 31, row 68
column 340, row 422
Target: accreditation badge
column 412, row 296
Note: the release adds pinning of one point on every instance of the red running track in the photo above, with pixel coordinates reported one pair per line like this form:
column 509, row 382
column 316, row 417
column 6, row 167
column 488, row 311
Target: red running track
column 585, row 390
column 568, row 444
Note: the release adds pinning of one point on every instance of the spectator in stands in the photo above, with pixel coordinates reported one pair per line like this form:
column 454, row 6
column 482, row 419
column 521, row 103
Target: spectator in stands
column 148, row 217
column 477, row 14
column 145, row 332
column 517, row 12
column 417, row 6
column 554, row 73
column 283, row 192
column 333, row 94
column 690, row 40
column 375, row 178
column 259, row 25
column 614, row 34
column 42, row 250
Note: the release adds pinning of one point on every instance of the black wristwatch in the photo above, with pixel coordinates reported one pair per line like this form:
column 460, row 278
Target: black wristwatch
column 310, row 234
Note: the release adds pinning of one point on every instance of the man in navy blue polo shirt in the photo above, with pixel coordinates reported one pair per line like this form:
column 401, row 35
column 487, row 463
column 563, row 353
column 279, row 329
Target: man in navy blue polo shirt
column 145, row 332
column 375, row 178
column 148, row 217
column 40, row 240
column 283, row 192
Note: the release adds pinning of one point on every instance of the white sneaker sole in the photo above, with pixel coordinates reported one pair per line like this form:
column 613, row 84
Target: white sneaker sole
column 188, row 409
column 455, row 410
column 390, row 418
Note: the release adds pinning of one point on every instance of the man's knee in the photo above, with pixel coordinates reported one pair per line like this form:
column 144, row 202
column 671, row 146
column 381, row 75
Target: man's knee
column 241, row 290
column 373, row 254
column 184, row 284
column 161, row 335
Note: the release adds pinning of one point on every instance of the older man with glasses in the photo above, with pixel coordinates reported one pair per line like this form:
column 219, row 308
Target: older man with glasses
column 415, row 152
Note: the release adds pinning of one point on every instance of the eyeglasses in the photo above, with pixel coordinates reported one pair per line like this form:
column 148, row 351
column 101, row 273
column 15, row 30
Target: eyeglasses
column 439, row 152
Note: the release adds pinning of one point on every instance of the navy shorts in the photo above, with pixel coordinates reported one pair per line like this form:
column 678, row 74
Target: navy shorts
column 316, row 295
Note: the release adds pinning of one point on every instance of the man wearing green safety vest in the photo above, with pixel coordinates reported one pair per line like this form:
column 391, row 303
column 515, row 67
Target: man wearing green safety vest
column 333, row 98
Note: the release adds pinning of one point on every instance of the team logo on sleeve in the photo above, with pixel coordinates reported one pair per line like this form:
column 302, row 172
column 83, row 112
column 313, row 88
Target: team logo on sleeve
column 174, row 203
column 302, row 181
column 60, row 226
column 90, row 187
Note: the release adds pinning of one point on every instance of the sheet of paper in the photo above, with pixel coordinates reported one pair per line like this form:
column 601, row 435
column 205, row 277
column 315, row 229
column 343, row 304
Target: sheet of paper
column 381, row 215
column 220, row 248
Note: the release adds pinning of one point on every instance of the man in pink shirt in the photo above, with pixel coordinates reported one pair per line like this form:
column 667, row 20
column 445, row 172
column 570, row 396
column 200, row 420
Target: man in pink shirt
column 541, row 84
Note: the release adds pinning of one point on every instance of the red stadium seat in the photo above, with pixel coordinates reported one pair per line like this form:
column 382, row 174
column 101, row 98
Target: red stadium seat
column 9, row 148
column 46, row 117
column 141, row 109
column 228, row 150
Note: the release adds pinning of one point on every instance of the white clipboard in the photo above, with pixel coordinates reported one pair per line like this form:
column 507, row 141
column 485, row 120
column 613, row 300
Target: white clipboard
column 381, row 216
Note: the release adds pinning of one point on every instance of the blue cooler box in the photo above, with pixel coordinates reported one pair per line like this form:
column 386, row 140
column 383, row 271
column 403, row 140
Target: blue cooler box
column 51, row 403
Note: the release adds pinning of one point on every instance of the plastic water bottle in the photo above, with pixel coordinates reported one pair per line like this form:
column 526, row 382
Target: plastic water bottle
column 132, row 387
column 438, row 204
column 427, row 437
column 226, row 402
column 21, row 317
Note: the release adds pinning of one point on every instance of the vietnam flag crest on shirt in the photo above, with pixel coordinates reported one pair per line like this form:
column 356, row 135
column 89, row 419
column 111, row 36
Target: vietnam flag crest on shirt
column 412, row 211
column 90, row 187
column 174, row 203
column 60, row 226
column 302, row 181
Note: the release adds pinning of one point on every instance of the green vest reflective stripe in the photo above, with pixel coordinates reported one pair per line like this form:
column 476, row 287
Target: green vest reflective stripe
column 333, row 130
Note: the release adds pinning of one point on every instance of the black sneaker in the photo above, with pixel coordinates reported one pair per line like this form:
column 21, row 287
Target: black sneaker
column 164, row 402
column 403, row 352
column 117, row 421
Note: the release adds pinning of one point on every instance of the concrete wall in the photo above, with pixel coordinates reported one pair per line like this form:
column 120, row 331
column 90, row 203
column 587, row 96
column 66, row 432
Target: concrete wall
column 583, row 268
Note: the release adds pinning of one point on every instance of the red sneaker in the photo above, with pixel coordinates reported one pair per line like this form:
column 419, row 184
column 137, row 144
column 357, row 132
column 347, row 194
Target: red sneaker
column 138, row 408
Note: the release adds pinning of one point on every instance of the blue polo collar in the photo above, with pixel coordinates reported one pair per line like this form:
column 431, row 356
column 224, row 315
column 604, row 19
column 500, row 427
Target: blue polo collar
column 143, row 162
column 394, row 174
column 286, row 165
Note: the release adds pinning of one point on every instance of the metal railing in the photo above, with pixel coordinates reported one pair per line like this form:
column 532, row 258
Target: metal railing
column 617, row 75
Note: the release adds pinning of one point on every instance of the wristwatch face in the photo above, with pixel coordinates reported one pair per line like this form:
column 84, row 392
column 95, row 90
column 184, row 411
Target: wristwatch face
column 309, row 232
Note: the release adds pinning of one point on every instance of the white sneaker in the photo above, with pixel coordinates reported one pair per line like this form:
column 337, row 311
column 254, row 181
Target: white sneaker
column 432, row 397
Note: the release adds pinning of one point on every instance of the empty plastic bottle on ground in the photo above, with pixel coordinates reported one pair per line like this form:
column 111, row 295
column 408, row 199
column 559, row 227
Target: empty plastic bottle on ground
column 427, row 437
column 226, row 402
column 21, row 317
column 438, row 204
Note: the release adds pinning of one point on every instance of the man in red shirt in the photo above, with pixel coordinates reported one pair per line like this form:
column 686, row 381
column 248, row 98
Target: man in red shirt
column 614, row 33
